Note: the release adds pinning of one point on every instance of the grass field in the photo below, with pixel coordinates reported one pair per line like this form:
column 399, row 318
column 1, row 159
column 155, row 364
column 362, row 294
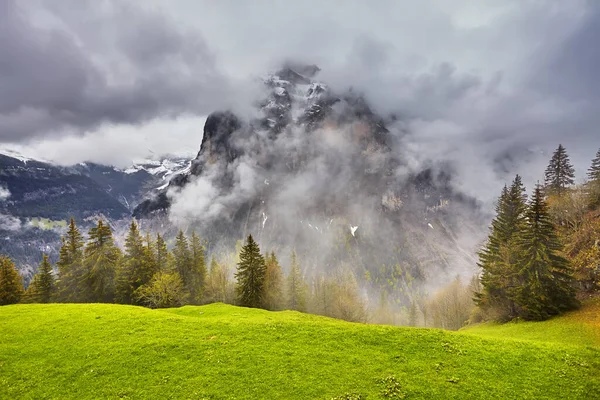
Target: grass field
column 577, row 328
column 92, row 351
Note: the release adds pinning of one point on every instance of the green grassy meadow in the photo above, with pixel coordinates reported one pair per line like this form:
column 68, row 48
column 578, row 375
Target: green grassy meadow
column 98, row 351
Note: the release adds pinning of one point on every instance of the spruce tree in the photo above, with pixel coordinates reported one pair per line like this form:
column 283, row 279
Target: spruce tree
column 182, row 258
column 197, row 275
column 560, row 174
column 273, row 291
column 296, row 286
column 11, row 283
column 593, row 184
column 43, row 286
column 162, row 253
column 101, row 260
column 545, row 276
column 70, row 266
column 499, row 257
column 136, row 267
column 250, row 275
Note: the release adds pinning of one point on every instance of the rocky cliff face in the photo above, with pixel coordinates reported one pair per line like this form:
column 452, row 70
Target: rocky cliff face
column 321, row 172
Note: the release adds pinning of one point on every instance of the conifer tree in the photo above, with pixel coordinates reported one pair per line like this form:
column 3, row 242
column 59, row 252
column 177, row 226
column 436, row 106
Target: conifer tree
column 296, row 286
column 182, row 257
column 11, row 283
column 560, row 174
column 70, row 266
column 499, row 257
column 197, row 275
column 273, row 291
column 594, row 182
column 250, row 275
column 545, row 276
column 162, row 254
column 43, row 286
column 101, row 259
column 135, row 269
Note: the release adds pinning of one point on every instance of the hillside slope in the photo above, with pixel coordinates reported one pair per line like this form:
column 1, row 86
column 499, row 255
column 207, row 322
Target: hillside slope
column 578, row 328
column 225, row 352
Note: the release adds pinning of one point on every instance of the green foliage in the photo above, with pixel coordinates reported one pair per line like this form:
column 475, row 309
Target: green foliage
column 593, row 185
column 250, row 275
column 499, row 257
column 136, row 267
column 11, row 283
column 70, row 266
column 43, row 286
column 163, row 259
column 165, row 290
column 560, row 174
column 101, row 259
column 219, row 351
column 545, row 279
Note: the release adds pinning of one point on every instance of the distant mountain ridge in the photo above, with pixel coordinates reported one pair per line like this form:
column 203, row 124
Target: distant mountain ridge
column 35, row 190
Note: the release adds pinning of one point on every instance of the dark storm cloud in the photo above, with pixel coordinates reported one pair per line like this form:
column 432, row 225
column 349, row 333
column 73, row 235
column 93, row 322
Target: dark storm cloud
column 75, row 65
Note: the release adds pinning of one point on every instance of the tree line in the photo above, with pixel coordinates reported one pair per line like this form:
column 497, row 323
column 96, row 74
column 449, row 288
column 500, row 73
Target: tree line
column 542, row 253
column 147, row 272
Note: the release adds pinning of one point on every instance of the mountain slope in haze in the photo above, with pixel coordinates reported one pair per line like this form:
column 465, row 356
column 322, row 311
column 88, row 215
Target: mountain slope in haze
column 89, row 351
column 322, row 173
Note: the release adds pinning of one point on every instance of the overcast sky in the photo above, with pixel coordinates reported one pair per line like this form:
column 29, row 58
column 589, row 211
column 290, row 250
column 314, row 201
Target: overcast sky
column 112, row 81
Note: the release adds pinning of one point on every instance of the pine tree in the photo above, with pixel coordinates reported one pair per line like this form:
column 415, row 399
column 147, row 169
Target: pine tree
column 182, row 258
column 499, row 257
column 560, row 174
column 296, row 286
column 273, row 291
column 70, row 266
column 11, row 283
column 43, row 286
column 162, row 254
column 197, row 275
column 136, row 267
column 250, row 275
column 593, row 184
column 546, row 281
column 101, row 259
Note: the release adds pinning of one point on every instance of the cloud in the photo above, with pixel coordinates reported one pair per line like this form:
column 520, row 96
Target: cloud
column 506, row 75
column 9, row 223
column 70, row 67
column 4, row 193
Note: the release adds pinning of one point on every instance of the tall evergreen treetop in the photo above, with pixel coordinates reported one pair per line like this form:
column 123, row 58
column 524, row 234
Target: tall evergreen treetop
column 250, row 275
column 560, row 174
column 594, row 170
column 43, row 285
column 70, row 266
column 499, row 257
column 11, row 283
column 545, row 276
column 101, row 259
